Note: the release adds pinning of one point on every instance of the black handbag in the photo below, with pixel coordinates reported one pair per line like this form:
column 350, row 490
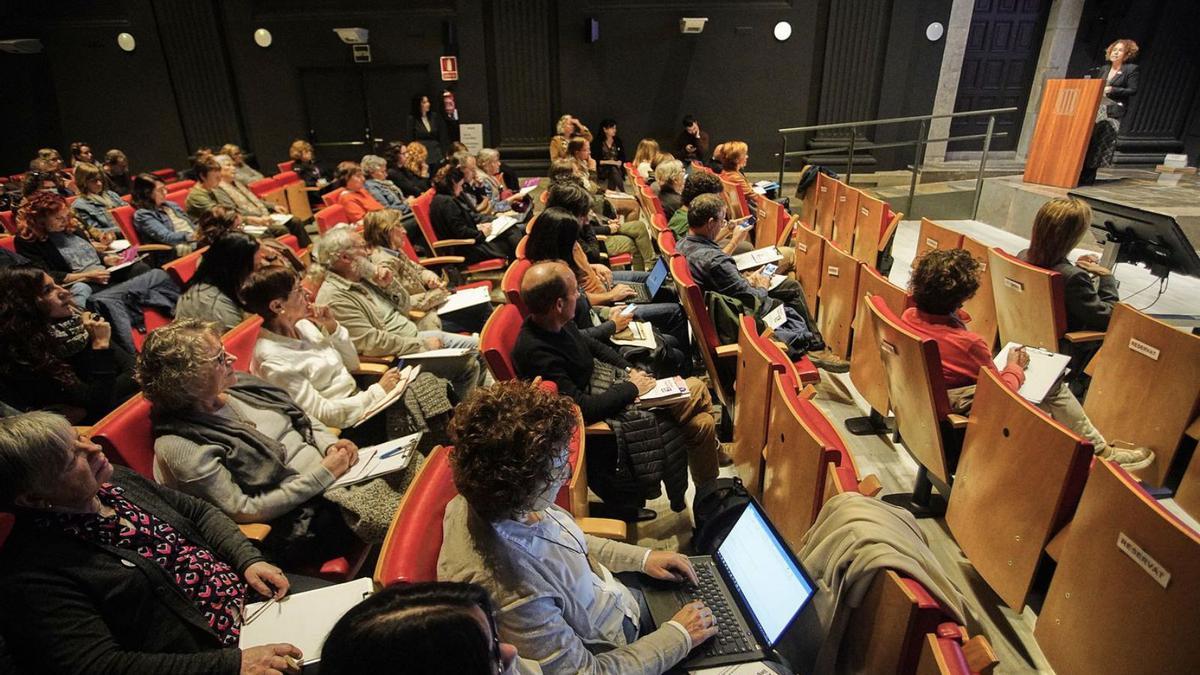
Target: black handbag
column 716, row 508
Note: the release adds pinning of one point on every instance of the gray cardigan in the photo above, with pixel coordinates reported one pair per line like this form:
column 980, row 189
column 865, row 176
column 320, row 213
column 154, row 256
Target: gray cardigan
column 542, row 603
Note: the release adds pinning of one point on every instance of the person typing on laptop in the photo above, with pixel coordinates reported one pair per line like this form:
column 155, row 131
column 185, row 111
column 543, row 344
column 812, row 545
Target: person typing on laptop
column 557, row 598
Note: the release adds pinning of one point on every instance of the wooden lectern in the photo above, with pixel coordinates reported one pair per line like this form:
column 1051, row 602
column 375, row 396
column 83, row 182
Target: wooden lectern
column 1064, row 128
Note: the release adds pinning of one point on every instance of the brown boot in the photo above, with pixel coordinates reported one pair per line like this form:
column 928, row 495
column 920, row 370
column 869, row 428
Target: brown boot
column 827, row 360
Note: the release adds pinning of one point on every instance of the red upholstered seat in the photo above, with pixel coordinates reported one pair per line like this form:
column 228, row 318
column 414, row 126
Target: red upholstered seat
column 165, row 175
column 285, row 167
column 511, row 283
column 8, row 221
column 410, row 551
column 330, row 217
column 497, row 340
column 179, row 197
column 183, row 268
column 263, row 186
column 126, row 436
column 239, row 341
column 8, row 243
column 420, row 209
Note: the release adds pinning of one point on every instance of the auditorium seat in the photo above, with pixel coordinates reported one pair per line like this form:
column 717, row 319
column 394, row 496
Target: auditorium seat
column 716, row 356
column 239, row 341
column 295, row 195
column 8, row 242
column 165, row 175
column 1145, row 390
column 1124, row 595
column 1018, row 482
column 1030, row 309
column 330, row 198
column 180, row 185
column 734, row 199
column 666, row 243
column 808, row 203
column 179, row 197
column 874, row 226
column 845, row 218
column 8, row 221
column 497, row 340
column 981, row 307
column 838, row 294
column 810, row 252
column 917, row 395
column 511, row 283
column 330, row 217
column 420, row 209
column 183, row 268
column 866, row 366
column 936, row 236
column 828, row 189
column 942, row 655
column 284, row 167
column 124, row 217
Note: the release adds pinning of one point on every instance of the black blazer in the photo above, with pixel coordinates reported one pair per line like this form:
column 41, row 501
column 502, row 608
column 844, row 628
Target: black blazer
column 1124, row 85
column 76, row 607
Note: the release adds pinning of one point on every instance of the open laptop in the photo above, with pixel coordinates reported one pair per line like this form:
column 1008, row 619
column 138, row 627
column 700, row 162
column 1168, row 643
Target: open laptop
column 647, row 291
column 754, row 585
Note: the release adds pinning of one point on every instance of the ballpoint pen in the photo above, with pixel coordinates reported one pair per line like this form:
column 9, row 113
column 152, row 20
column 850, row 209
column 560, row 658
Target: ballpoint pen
column 270, row 601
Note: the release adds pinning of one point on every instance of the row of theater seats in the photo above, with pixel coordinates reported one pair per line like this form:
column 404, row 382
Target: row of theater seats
column 1022, row 489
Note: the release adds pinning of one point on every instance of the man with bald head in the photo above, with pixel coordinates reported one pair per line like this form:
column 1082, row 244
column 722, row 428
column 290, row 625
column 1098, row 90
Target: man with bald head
column 601, row 382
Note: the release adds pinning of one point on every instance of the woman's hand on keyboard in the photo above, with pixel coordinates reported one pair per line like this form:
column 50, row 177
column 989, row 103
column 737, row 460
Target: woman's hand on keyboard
column 670, row 566
column 698, row 620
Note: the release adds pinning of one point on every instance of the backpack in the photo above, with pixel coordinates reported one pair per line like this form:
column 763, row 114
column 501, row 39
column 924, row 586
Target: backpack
column 809, row 177
column 716, row 508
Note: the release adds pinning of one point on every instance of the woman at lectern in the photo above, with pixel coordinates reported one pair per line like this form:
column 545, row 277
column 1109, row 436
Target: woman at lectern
column 1120, row 82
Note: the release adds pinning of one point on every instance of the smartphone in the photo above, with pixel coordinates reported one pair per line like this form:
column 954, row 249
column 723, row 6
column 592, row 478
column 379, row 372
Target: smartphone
column 747, row 222
column 769, row 269
column 628, row 310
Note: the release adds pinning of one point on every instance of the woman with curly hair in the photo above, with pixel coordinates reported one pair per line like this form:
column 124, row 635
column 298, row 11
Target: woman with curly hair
column 558, row 601
column 413, row 177
column 53, row 241
column 942, row 280
column 54, row 356
column 1120, row 83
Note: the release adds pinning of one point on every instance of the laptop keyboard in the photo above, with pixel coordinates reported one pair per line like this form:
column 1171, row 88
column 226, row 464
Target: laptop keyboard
column 731, row 637
column 642, row 294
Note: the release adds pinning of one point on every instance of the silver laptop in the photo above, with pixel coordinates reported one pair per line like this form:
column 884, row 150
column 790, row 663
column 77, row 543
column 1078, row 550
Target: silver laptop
column 754, row 585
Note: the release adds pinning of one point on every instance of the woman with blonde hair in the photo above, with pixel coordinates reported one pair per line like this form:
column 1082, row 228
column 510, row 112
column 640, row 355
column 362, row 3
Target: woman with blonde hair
column 646, row 158
column 1120, row 83
column 305, row 165
column 414, row 176
column 95, row 200
column 732, row 156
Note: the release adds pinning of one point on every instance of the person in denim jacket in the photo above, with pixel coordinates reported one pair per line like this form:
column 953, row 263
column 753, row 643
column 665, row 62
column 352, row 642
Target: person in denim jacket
column 95, row 202
column 159, row 220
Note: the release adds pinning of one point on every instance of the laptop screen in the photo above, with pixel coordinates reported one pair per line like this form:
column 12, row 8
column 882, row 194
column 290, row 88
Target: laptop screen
column 764, row 573
column 656, row 277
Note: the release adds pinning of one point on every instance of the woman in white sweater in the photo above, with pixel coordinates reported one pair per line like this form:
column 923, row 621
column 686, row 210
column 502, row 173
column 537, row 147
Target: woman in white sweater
column 304, row 351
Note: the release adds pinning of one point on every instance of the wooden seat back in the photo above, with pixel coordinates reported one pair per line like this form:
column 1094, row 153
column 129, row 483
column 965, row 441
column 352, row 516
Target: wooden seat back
column 827, row 198
column 297, row 199
column 692, row 299
column 736, row 201
column 916, row 390
column 1157, row 365
column 756, row 369
column 934, row 235
column 884, row 633
column 1187, row 495
column 797, row 459
column 771, row 220
column 1017, row 483
column 982, row 305
column 845, row 217
column 866, row 366
column 1125, row 594
column 810, row 252
column 839, row 298
column 1030, row 309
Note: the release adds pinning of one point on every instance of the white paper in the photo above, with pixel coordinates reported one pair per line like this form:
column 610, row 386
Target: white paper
column 1044, row 370
column 776, row 317
column 118, row 245
column 642, row 336
column 500, row 225
column 755, row 668
column 777, row 279
column 468, row 297
column 304, row 619
column 666, row 390
column 757, row 257
column 1175, row 161
column 614, row 194
column 471, row 135
column 372, row 463
column 127, row 263
column 407, row 374
column 280, row 218
column 254, row 230
column 523, row 191
column 445, row 352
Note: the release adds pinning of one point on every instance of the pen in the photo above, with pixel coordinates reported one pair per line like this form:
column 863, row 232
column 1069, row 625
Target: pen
column 394, row 451
column 270, row 601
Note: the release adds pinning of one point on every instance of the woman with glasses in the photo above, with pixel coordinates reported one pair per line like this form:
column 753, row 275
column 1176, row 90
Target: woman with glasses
column 422, row 629
column 158, row 219
column 243, row 445
column 244, row 173
column 106, row 572
column 55, row 356
column 95, row 203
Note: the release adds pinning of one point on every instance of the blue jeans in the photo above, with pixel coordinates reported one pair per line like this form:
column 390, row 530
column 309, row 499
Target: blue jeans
column 122, row 304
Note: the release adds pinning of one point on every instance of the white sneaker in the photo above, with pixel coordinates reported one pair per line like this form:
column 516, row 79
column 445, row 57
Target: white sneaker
column 1130, row 457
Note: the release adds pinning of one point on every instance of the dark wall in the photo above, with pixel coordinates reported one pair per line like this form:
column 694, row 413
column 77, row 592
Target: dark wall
column 197, row 78
column 1164, row 116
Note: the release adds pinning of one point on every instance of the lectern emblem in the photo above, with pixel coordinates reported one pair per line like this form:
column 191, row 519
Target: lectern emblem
column 1068, row 99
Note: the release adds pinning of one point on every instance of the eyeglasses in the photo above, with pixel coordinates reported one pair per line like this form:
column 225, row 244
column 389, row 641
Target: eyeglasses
column 224, row 358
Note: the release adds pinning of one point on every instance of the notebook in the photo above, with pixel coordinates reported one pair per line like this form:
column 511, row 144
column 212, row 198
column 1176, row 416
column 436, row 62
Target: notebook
column 377, row 460
column 757, row 257
column 468, row 297
column 1044, row 372
column 407, row 374
column 666, row 391
column 303, row 619
column 637, row 334
column 501, row 225
column 754, row 585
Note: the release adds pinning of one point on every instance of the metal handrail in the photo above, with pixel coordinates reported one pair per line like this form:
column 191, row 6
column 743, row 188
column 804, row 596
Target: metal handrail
column 919, row 144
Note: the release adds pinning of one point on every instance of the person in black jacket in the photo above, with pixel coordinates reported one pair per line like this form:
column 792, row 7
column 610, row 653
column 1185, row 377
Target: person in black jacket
column 452, row 219
column 106, row 572
column 550, row 346
column 427, row 128
column 1120, row 83
column 54, row 356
